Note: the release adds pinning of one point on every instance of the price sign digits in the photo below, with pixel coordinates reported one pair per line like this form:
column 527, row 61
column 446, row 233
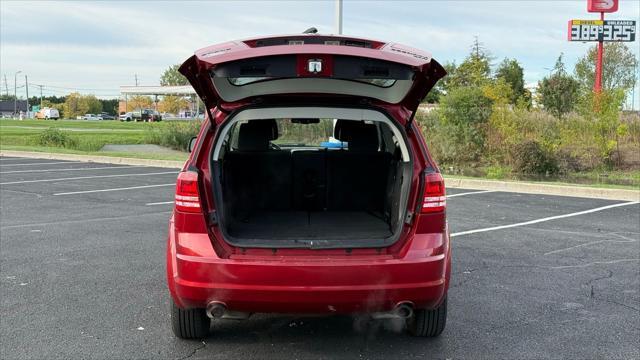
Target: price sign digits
column 602, row 30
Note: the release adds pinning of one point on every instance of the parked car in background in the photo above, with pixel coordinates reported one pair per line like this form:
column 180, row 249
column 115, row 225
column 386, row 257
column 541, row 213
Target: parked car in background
column 146, row 115
column 48, row 113
column 91, row 117
column 155, row 116
column 107, row 116
column 262, row 225
column 126, row 116
column 141, row 115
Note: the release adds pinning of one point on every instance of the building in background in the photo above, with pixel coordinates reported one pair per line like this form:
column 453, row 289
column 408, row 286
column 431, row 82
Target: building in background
column 7, row 107
column 185, row 99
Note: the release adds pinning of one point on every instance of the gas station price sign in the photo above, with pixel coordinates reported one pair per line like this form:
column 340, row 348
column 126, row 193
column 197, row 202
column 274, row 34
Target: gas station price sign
column 602, row 30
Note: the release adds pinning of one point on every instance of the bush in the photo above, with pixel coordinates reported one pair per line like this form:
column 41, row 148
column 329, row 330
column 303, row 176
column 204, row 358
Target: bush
column 531, row 159
column 55, row 138
column 175, row 135
column 463, row 117
column 497, row 172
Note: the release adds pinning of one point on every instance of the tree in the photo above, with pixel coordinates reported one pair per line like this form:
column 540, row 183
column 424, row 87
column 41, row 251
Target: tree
column 464, row 113
column 73, row 106
column 173, row 104
column 138, row 102
column 110, row 105
column 77, row 105
column 618, row 70
column 475, row 70
column 558, row 93
column 172, row 77
column 93, row 104
column 603, row 110
column 513, row 74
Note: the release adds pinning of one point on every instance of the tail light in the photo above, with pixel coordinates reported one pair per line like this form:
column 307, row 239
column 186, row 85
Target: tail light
column 187, row 195
column 435, row 199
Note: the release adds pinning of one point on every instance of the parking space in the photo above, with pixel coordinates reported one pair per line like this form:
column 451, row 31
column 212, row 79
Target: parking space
column 82, row 275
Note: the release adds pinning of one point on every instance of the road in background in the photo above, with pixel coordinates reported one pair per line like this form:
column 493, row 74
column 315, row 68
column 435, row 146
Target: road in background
column 83, row 276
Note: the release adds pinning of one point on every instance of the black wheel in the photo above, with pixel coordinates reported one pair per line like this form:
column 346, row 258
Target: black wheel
column 189, row 323
column 428, row 323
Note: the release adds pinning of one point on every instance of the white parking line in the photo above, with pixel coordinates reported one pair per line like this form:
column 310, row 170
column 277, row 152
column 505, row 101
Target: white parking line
column 471, row 193
column 86, row 177
column 82, row 221
column 10, row 159
column 73, row 169
column 159, row 203
column 42, row 163
column 114, row 189
column 543, row 219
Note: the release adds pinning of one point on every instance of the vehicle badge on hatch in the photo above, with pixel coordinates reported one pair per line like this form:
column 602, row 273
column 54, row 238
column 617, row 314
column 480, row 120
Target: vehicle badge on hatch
column 314, row 66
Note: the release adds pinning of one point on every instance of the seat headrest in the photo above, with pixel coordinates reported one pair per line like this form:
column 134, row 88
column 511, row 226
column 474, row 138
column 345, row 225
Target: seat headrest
column 255, row 135
column 359, row 135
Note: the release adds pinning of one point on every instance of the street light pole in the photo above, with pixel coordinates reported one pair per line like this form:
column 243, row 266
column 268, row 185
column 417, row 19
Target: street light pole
column 26, row 85
column 338, row 17
column 15, row 92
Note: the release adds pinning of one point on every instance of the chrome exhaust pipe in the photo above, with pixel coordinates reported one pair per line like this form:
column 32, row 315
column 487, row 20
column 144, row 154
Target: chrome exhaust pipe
column 404, row 310
column 216, row 309
column 400, row 311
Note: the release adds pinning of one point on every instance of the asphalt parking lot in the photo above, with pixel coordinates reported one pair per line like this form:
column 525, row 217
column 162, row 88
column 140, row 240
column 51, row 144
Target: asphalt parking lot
column 82, row 276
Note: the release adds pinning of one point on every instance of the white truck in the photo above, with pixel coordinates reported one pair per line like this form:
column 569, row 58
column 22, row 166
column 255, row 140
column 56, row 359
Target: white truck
column 48, row 113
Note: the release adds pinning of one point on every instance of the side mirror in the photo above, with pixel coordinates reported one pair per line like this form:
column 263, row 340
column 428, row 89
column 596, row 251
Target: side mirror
column 192, row 144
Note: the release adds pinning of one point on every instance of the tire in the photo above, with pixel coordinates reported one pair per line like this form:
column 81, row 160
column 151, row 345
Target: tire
column 189, row 323
column 428, row 323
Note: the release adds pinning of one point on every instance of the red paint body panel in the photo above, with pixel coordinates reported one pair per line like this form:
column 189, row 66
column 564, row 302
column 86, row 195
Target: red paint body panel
column 203, row 267
column 307, row 284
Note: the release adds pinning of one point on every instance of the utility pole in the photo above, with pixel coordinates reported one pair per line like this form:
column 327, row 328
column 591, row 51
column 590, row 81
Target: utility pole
column 136, row 76
column 6, row 85
column 15, row 92
column 40, row 96
column 338, row 9
column 26, row 86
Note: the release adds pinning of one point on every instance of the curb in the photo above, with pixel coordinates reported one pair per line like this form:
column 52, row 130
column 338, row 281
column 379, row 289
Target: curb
column 173, row 164
column 545, row 189
column 507, row 186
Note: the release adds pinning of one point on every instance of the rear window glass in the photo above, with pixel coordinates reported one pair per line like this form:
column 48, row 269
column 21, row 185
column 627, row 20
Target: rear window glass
column 292, row 133
column 297, row 133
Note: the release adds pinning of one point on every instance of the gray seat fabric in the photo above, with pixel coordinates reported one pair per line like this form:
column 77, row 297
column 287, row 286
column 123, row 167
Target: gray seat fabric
column 257, row 177
column 357, row 176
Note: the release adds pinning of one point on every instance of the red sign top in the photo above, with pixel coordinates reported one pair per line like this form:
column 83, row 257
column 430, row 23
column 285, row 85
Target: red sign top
column 607, row 6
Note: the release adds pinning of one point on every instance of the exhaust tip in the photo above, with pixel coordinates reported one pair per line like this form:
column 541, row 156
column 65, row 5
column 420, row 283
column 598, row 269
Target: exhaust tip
column 404, row 310
column 216, row 309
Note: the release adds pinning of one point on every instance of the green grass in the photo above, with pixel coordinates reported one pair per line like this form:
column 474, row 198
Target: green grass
column 24, row 136
column 78, row 124
column 562, row 183
column 89, row 136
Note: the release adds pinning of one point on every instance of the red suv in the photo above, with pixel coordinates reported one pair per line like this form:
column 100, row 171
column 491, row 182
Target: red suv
column 309, row 188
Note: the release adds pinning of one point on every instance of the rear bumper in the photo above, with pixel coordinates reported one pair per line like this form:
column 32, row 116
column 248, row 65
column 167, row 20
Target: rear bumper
column 323, row 285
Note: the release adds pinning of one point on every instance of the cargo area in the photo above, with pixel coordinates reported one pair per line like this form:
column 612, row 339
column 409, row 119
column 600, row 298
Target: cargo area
column 280, row 193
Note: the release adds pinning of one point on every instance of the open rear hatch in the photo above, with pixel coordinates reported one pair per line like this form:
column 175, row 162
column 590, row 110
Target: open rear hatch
column 312, row 64
column 262, row 190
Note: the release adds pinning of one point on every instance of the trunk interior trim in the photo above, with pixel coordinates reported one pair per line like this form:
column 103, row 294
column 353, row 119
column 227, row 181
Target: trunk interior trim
column 392, row 94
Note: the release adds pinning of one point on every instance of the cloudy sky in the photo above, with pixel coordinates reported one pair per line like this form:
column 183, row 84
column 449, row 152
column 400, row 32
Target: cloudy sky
column 95, row 46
